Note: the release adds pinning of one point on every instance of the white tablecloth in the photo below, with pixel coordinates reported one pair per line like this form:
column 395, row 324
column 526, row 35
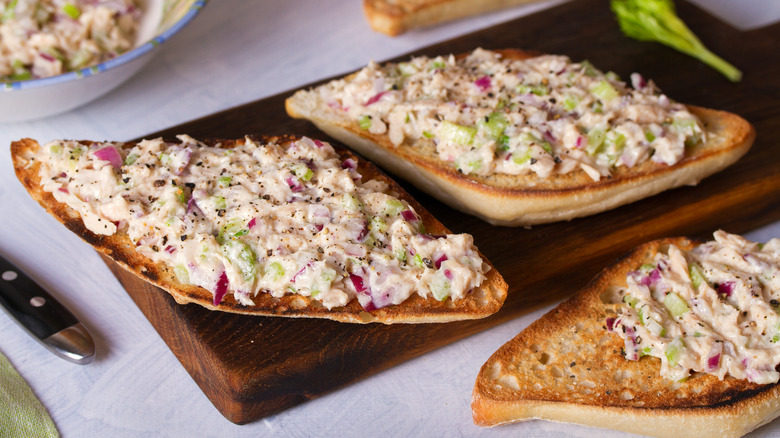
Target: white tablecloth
column 235, row 52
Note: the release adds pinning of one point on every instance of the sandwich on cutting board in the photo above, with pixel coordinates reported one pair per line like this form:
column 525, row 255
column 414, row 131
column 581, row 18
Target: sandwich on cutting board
column 518, row 138
column 677, row 339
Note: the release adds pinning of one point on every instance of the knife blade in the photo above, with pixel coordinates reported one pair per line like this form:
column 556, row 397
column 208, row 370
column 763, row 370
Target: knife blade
column 45, row 318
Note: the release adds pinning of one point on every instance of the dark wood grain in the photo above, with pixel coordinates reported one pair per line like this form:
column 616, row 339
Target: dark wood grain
column 251, row 367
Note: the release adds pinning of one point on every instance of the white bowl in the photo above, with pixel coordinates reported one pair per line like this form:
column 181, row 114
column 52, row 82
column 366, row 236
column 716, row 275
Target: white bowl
column 38, row 98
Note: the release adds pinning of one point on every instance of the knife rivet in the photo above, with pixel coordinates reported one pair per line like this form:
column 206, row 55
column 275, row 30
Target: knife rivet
column 9, row 275
column 37, row 301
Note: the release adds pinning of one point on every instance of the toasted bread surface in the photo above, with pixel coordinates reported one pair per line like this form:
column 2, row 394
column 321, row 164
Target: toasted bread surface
column 527, row 199
column 394, row 17
column 567, row 367
column 480, row 302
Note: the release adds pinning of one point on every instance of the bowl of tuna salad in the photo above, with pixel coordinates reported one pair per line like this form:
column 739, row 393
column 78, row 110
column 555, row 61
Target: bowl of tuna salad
column 56, row 55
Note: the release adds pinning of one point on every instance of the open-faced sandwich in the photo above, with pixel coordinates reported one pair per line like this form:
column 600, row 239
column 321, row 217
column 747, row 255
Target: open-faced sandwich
column 271, row 226
column 518, row 139
column 678, row 339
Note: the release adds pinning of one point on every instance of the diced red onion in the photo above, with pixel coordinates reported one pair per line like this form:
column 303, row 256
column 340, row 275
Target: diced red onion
column 409, row 216
column 318, row 227
column 726, row 288
column 439, row 260
column 713, row 362
column 294, row 183
column 637, row 81
column 63, row 190
column 375, row 98
column 300, row 272
column 252, row 223
column 221, row 288
column 46, row 56
column 611, row 324
column 170, row 249
column 448, row 274
column 349, row 163
column 110, row 154
column 319, row 144
column 483, row 83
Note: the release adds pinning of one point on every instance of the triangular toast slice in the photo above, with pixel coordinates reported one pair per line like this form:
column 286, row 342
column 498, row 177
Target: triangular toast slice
column 567, row 367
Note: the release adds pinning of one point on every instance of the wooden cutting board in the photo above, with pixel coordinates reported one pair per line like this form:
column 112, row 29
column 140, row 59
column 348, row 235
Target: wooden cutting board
column 251, row 367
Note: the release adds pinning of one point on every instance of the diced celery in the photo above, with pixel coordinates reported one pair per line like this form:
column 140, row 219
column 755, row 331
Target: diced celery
column 351, row 202
column 503, row 142
column 241, row 256
column 630, row 300
column 130, row 159
column 697, row 277
column 612, row 76
column 604, row 90
column 55, row 149
column 655, row 328
column 231, row 230
column 570, row 102
column 676, row 306
column 588, row 69
column 72, row 10
column 21, row 76
column 649, row 136
column 440, row 286
column 418, row 260
column 646, row 268
column 302, row 171
column 393, row 207
column 181, row 196
column 364, row 122
column 455, row 133
column 10, row 10
column 596, row 138
column 274, row 271
column 646, row 351
column 407, row 68
column 468, row 163
column 182, row 274
column 219, row 203
column 224, row 181
column 493, row 125
column 437, row 64
column 377, row 225
column 522, row 158
column 427, row 134
column 400, row 254
column 673, row 351
column 164, row 158
column 537, row 89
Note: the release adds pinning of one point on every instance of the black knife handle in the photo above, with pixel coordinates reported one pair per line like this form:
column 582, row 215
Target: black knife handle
column 28, row 303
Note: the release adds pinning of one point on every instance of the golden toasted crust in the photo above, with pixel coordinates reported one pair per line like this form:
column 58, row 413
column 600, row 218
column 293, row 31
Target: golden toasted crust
column 479, row 303
column 394, row 17
column 518, row 200
column 567, row 367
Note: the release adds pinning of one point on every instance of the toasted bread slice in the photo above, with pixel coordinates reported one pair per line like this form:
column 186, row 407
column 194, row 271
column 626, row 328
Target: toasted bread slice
column 527, row 199
column 394, row 17
column 566, row 367
column 478, row 303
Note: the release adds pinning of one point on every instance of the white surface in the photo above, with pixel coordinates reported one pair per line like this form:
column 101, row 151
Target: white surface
column 236, row 51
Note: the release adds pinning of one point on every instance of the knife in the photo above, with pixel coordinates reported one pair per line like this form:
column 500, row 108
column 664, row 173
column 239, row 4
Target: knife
column 43, row 317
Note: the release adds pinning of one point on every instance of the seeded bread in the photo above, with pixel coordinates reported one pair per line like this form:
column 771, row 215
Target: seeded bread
column 480, row 302
column 394, row 17
column 566, row 367
column 519, row 200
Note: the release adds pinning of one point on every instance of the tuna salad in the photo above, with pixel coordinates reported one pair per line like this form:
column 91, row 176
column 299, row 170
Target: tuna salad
column 42, row 38
column 277, row 218
column 487, row 114
column 712, row 310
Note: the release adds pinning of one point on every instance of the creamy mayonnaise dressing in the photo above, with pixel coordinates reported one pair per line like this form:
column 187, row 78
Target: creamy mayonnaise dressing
column 275, row 218
column 42, row 38
column 713, row 309
column 487, row 114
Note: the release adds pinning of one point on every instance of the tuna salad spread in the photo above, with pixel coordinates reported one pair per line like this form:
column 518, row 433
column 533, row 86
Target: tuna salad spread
column 489, row 114
column 278, row 218
column 712, row 310
column 42, row 38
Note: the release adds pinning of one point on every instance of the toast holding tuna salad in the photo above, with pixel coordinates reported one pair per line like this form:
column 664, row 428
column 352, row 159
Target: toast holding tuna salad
column 675, row 339
column 518, row 139
column 278, row 226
